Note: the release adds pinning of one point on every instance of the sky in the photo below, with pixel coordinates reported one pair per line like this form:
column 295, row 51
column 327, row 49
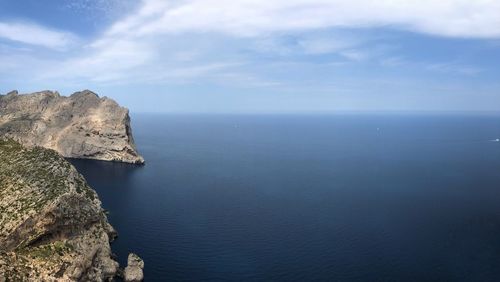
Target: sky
column 258, row 56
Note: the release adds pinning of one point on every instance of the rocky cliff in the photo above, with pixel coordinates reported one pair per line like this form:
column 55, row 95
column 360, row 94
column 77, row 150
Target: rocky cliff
column 52, row 226
column 79, row 126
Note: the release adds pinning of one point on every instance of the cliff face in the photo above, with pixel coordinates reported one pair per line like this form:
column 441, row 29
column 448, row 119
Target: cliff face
column 52, row 226
column 80, row 126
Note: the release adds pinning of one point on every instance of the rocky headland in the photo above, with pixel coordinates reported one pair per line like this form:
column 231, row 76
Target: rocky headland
column 82, row 125
column 52, row 225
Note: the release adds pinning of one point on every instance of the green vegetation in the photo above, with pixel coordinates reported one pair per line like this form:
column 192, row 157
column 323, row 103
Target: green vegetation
column 48, row 214
column 29, row 179
column 48, row 251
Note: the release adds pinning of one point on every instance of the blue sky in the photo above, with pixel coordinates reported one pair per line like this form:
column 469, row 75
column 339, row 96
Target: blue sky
column 258, row 55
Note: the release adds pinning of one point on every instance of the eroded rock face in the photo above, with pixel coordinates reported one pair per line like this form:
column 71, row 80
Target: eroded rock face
column 79, row 126
column 52, row 226
column 134, row 270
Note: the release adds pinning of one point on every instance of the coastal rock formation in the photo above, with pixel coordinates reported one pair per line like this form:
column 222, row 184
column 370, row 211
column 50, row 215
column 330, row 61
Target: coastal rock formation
column 79, row 126
column 52, row 225
column 134, row 269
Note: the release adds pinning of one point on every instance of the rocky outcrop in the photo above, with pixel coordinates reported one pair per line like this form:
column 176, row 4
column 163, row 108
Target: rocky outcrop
column 79, row 126
column 134, row 270
column 52, row 226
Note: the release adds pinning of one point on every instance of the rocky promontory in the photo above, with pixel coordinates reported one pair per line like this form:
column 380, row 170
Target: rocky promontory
column 52, row 225
column 82, row 125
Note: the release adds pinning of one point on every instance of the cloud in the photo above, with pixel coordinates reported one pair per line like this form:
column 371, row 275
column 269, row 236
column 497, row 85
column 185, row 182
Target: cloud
column 355, row 55
column 37, row 35
column 102, row 63
column 436, row 67
column 454, row 68
column 192, row 39
column 330, row 43
column 452, row 18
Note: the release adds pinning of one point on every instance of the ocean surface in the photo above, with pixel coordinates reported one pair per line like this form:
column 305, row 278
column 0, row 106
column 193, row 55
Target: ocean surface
column 308, row 198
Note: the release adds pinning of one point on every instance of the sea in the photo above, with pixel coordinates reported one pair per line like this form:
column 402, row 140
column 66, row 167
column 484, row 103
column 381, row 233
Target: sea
column 298, row 197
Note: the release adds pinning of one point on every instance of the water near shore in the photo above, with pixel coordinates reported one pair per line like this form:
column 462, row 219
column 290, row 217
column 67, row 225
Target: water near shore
column 325, row 198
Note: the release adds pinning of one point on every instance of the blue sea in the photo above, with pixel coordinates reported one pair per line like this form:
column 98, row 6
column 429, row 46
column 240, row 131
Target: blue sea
column 347, row 197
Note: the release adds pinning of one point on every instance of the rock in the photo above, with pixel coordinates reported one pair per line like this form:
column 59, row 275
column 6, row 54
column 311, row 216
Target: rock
column 13, row 93
column 134, row 270
column 80, row 126
column 52, row 225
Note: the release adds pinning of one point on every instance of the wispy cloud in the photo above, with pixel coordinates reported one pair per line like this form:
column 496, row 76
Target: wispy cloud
column 454, row 18
column 142, row 41
column 102, row 63
column 33, row 34
column 355, row 55
column 453, row 68
column 165, row 40
column 328, row 44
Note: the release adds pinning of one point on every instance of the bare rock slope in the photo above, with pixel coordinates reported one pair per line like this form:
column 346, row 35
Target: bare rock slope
column 52, row 226
column 79, row 126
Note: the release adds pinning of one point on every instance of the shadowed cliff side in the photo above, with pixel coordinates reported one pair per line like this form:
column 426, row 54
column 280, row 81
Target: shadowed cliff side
column 79, row 126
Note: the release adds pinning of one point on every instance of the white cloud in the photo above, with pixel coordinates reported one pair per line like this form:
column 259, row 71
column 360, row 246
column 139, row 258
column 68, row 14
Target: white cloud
column 104, row 63
column 328, row 44
column 454, row 18
column 33, row 34
column 355, row 55
column 163, row 40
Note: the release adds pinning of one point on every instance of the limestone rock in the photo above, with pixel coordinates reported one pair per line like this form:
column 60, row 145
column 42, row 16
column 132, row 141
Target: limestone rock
column 79, row 126
column 134, row 269
column 52, row 225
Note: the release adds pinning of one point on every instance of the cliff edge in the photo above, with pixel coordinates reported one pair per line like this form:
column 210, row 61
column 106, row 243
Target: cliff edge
column 52, row 225
column 82, row 125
